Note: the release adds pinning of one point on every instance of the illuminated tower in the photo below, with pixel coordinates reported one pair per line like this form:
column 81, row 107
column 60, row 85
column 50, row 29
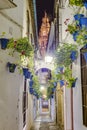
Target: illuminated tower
column 43, row 35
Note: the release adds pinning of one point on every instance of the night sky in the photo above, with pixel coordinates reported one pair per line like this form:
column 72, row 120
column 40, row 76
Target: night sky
column 41, row 7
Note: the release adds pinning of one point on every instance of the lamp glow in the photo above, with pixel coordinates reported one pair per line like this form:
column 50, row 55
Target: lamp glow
column 48, row 59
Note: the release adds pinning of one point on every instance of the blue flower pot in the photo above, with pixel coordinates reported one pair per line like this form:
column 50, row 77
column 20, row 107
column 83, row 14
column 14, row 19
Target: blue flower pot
column 85, row 4
column 77, row 17
column 31, row 83
column 53, row 90
column 27, row 75
column 85, row 56
column 11, row 67
column 61, row 83
column 83, row 22
column 25, row 71
column 73, row 55
column 31, row 90
column 74, row 83
column 75, row 36
column 55, row 84
column 4, row 43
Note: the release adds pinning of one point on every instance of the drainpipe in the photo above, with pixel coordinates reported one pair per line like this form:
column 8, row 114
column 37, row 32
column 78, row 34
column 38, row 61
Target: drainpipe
column 72, row 125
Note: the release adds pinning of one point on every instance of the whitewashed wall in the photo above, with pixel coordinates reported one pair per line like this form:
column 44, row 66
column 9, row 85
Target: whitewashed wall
column 13, row 22
column 77, row 95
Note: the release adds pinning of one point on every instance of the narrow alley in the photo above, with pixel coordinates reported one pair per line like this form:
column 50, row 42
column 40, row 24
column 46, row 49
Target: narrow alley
column 43, row 64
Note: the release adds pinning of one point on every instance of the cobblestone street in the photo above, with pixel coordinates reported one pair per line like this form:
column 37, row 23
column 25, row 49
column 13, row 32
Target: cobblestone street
column 45, row 123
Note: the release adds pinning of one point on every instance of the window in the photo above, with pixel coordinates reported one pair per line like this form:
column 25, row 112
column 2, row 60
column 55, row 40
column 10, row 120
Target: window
column 25, row 103
column 84, row 87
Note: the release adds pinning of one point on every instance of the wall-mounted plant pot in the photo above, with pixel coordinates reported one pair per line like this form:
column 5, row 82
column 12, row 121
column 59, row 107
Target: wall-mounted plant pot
column 85, row 4
column 53, row 90
column 83, row 22
column 31, row 90
column 73, row 55
column 75, row 34
column 74, row 83
column 85, row 56
column 55, row 84
column 27, row 75
column 4, row 43
column 31, row 83
column 25, row 71
column 61, row 83
column 77, row 17
column 31, row 76
column 11, row 67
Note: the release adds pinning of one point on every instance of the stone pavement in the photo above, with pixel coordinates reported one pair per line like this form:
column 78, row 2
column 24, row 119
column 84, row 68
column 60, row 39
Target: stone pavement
column 44, row 122
column 46, row 126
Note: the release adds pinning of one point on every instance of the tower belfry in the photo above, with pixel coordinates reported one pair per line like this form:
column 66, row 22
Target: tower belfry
column 44, row 34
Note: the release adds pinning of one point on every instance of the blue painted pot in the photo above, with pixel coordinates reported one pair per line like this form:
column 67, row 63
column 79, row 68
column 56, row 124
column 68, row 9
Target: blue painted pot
column 75, row 36
column 85, row 4
column 85, row 56
column 31, row 83
column 73, row 55
column 25, row 71
column 78, row 16
column 83, row 22
column 74, row 83
column 61, row 83
column 11, row 67
column 55, row 84
column 4, row 43
column 27, row 75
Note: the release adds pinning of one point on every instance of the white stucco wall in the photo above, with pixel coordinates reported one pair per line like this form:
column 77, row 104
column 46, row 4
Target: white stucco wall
column 13, row 22
column 10, row 84
column 77, row 94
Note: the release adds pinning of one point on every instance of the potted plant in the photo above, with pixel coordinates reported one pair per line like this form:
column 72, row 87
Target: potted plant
column 82, row 37
column 4, row 41
column 21, row 45
column 76, row 2
column 74, row 29
column 72, row 82
column 73, row 55
column 11, row 67
column 62, row 55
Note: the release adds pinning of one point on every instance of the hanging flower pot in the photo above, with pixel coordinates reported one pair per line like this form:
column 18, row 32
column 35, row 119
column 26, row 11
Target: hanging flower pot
column 85, row 56
column 83, row 22
column 77, row 17
column 74, row 83
column 75, row 34
column 31, row 83
column 55, row 84
column 61, row 70
column 25, row 71
column 73, row 55
column 53, row 89
column 31, row 90
column 61, row 83
column 4, row 43
column 11, row 67
column 27, row 75
column 85, row 4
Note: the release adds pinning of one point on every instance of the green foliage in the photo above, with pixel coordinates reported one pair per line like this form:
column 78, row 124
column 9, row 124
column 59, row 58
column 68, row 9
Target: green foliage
column 21, row 45
column 62, row 55
column 82, row 36
column 72, row 28
column 71, row 81
column 76, row 2
column 36, row 84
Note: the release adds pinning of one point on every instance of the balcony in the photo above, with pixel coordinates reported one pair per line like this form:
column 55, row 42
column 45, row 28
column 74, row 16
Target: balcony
column 6, row 4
